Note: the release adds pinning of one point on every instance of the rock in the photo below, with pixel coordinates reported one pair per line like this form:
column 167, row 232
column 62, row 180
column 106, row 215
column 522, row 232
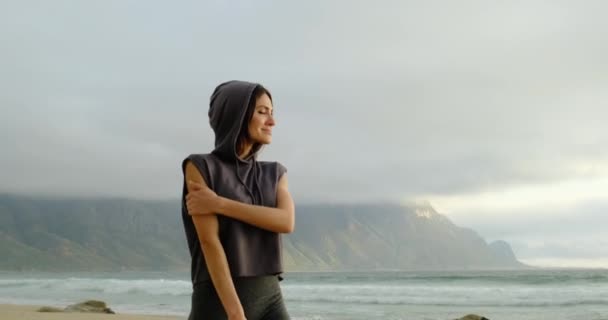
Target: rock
column 49, row 309
column 472, row 317
column 90, row 306
column 93, row 306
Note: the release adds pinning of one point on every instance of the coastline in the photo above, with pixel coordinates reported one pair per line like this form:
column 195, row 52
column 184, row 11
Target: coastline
column 28, row 312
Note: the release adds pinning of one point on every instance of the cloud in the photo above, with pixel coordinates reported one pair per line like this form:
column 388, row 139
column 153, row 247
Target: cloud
column 494, row 112
column 549, row 235
column 543, row 197
column 373, row 102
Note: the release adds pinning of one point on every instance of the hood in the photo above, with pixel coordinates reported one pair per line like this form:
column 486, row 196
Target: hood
column 227, row 110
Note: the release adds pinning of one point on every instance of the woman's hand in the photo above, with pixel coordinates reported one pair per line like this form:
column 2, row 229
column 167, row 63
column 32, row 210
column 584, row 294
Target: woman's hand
column 201, row 200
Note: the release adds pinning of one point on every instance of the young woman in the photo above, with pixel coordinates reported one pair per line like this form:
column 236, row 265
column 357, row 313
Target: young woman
column 234, row 209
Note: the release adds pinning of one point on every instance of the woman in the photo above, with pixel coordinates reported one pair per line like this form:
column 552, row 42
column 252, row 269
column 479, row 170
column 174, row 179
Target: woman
column 234, row 209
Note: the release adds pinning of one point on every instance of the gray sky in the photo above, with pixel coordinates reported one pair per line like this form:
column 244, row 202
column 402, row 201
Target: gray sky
column 494, row 111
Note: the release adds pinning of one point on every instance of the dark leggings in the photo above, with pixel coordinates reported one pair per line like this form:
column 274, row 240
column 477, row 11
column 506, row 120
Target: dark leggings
column 260, row 297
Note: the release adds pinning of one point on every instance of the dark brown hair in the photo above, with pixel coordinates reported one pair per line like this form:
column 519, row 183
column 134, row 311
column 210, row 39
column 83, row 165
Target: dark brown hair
column 244, row 133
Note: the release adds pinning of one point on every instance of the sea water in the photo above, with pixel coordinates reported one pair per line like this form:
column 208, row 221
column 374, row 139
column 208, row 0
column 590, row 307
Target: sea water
column 527, row 294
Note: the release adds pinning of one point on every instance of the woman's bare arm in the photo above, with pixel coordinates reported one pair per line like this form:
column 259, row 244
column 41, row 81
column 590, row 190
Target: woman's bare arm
column 280, row 219
column 215, row 256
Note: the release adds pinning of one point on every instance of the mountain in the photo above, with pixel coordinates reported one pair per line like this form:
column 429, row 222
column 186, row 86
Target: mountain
column 385, row 237
column 122, row 234
column 502, row 251
column 101, row 234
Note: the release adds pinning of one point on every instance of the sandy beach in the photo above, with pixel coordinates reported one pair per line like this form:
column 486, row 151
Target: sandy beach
column 28, row 312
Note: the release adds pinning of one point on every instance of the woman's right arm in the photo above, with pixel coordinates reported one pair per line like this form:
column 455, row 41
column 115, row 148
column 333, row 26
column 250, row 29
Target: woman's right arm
column 215, row 256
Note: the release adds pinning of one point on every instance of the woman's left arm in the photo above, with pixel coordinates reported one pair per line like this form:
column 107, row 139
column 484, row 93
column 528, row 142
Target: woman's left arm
column 280, row 219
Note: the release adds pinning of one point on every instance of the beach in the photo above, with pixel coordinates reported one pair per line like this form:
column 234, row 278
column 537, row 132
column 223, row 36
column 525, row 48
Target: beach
column 28, row 312
column 391, row 295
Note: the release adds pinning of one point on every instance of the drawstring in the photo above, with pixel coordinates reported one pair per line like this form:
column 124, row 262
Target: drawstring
column 238, row 174
column 257, row 175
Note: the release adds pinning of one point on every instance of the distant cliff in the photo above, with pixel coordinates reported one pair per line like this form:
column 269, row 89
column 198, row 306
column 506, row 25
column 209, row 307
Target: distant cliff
column 388, row 237
column 121, row 234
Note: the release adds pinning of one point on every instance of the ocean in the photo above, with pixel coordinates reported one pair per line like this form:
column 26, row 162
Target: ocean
column 528, row 294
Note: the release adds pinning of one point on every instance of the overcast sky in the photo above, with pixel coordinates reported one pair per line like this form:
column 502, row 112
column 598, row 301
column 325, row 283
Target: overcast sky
column 494, row 111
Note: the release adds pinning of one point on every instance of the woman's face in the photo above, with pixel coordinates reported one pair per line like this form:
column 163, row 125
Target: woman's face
column 262, row 121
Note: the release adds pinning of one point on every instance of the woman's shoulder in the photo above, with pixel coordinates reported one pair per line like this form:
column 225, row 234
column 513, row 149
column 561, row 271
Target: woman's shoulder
column 200, row 160
column 274, row 166
column 271, row 163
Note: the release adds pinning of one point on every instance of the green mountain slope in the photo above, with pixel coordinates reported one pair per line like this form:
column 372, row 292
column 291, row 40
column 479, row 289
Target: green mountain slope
column 120, row 234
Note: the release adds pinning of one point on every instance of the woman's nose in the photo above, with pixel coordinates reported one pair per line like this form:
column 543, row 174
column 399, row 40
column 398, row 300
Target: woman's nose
column 270, row 121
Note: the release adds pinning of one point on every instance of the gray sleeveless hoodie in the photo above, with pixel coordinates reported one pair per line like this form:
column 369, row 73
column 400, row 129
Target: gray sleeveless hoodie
column 250, row 251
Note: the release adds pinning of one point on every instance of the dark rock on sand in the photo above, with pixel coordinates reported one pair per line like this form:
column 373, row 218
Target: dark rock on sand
column 90, row 306
column 49, row 309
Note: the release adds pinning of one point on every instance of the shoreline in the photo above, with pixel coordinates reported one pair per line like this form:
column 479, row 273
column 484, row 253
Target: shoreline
column 29, row 312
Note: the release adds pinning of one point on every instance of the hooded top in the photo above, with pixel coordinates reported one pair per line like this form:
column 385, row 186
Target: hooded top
column 250, row 251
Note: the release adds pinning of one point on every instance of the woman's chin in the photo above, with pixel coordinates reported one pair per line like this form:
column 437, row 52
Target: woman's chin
column 263, row 141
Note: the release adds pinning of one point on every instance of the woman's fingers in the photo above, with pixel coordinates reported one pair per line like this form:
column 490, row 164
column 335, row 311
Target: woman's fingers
column 196, row 207
column 195, row 186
